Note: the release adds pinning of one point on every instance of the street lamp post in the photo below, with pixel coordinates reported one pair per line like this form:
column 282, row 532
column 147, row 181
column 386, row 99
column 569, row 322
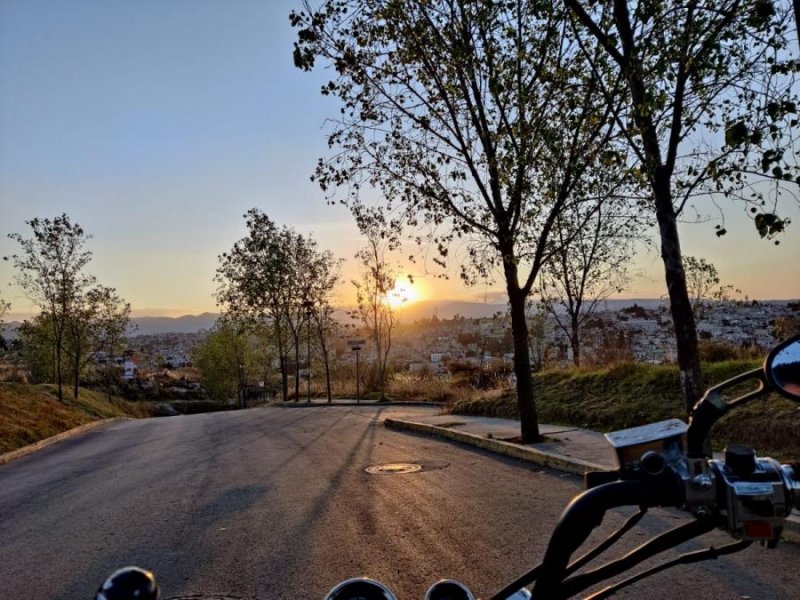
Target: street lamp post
column 308, row 306
column 355, row 346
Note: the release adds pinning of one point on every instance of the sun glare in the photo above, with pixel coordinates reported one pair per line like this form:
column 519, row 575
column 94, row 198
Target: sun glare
column 404, row 294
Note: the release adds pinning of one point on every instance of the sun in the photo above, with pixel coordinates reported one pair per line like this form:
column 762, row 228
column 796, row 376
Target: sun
column 403, row 294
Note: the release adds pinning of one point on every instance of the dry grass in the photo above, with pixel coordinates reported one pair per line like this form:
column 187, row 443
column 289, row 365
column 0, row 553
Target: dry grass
column 29, row 413
column 627, row 395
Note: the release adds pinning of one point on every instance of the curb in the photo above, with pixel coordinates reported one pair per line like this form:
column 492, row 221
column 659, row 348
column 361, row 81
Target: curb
column 539, row 457
column 31, row 448
column 305, row 404
column 791, row 530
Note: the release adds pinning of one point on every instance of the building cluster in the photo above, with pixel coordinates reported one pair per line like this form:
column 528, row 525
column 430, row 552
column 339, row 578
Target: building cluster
column 639, row 332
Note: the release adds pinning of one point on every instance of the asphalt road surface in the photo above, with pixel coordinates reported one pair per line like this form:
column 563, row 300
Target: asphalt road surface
column 276, row 504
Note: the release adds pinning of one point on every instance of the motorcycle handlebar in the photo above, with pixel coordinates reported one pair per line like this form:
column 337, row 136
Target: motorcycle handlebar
column 586, row 512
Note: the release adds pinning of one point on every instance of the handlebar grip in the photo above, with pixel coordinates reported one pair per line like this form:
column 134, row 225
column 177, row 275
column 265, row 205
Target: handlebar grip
column 129, row 583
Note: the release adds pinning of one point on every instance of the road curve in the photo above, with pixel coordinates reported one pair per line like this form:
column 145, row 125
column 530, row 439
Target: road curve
column 276, row 504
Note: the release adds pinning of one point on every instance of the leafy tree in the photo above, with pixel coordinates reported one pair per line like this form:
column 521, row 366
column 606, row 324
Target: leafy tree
column 375, row 308
column 710, row 107
column 475, row 121
column 227, row 360
column 51, row 271
column 589, row 264
column 98, row 323
column 254, row 277
column 36, row 348
column 111, row 318
column 273, row 276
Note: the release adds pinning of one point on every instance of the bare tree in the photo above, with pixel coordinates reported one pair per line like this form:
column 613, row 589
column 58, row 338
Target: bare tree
column 588, row 266
column 375, row 308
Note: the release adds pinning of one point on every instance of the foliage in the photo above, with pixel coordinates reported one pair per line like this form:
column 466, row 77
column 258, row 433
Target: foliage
column 476, row 123
column 710, row 107
column 714, row 351
column 631, row 394
column 51, row 271
column 35, row 343
column 224, row 358
column 785, row 327
column 275, row 276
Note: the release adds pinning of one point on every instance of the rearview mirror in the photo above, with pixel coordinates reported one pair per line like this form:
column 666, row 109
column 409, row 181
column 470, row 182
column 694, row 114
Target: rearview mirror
column 783, row 368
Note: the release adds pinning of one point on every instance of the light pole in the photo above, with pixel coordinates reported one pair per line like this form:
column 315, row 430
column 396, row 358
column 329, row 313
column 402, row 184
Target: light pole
column 355, row 346
column 308, row 306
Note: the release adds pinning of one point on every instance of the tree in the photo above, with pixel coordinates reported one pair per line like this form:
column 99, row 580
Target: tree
column 275, row 275
column 709, row 107
column 475, row 122
column 51, row 272
column 112, row 322
column 227, row 360
column 35, row 344
column 4, row 308
column 375, row 303
column 588, row 266
column 703, row 285
column 254, row 277
column 324, row 278
column 98, row 323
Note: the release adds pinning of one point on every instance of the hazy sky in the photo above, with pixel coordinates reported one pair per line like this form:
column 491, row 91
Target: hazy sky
column 156, row 125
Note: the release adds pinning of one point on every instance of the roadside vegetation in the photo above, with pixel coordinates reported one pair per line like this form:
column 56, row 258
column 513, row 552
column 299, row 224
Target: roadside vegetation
column 631, row 394
column 29, row 413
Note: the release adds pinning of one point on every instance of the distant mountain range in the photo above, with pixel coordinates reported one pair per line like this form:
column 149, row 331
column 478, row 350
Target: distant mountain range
column 442, row 309
column 184, row 324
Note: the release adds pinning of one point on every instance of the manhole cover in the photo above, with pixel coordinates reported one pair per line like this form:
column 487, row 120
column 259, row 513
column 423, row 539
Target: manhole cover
column 393, row 468
column 398, row 468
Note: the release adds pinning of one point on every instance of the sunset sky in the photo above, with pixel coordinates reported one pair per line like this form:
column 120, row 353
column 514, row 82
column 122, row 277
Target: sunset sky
column 156, row 125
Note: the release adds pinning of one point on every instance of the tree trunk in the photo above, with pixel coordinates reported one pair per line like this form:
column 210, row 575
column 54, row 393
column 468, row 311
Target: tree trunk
column 529, row 421
column 680, row 305
column 575, row 341
column 284, row 360
column 296, row 368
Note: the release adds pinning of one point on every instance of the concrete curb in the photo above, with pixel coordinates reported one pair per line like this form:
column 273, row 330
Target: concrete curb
column 532, row 455
column 304, row 404
column 31, row 448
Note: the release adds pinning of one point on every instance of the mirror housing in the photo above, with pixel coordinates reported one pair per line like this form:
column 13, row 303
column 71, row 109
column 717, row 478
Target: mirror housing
column 782, row 368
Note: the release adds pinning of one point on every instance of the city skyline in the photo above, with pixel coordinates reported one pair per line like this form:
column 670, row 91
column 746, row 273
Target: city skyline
column 157, row 125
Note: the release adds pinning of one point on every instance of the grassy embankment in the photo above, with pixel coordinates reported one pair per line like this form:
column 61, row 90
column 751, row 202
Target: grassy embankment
column 29, row 413
column 634, row 394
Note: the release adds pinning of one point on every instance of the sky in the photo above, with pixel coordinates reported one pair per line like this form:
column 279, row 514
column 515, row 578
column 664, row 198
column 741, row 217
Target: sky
column 157, row 125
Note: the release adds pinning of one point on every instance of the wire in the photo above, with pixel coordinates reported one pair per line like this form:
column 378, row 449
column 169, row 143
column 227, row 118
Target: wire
column 683, row 559
column 530, row 576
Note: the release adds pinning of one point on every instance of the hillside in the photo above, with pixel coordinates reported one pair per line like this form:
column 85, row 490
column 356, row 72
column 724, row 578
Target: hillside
column 29, row 413
column 635, row 394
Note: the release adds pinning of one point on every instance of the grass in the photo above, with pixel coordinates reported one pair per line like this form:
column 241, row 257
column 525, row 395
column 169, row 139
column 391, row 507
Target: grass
column 29, row 413
column 628, row 395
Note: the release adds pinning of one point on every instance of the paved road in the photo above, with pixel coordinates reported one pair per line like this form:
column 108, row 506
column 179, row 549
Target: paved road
column 275, row 504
